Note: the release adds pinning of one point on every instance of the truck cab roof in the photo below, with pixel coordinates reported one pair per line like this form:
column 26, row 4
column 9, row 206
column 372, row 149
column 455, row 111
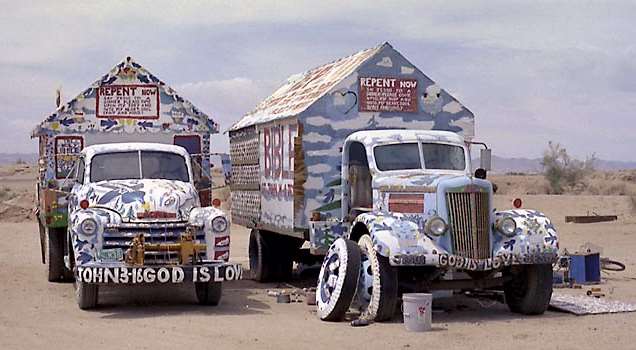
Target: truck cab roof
column 90, row 151
column 374, row 137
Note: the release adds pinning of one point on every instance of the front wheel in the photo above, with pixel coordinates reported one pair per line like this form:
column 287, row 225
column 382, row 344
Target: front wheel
column 208, row 293
column 86, row 295
column 529, row 289
column 378, row 286
column 338, row 280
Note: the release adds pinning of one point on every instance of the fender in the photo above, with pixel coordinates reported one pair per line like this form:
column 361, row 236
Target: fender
column 393, row 234
column 218, row 243
column 535, row 236
column 85, row 246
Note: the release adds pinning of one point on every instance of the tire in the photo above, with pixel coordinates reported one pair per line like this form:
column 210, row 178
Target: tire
column 529, row 289
column 86, row 295
column 285, row 249
column 378, row 285
column 208, row 293
column 261, row 257
column 338, row 280
column 55, row 240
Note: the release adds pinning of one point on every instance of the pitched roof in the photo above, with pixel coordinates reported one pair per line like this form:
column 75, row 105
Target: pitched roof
column 126, row 72
column 302, row 90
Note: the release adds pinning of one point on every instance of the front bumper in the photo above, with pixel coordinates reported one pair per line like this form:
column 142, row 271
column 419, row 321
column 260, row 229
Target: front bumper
column 213, row 271
column 449, row 261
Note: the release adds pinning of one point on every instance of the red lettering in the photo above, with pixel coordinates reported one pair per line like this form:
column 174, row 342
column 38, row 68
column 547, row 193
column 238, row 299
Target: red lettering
column 267, row 161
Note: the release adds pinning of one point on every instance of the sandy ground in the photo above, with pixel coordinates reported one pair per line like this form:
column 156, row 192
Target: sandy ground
column 37, row 314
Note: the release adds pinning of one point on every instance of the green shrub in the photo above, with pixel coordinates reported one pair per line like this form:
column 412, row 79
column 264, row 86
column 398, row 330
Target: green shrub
column 563, row 172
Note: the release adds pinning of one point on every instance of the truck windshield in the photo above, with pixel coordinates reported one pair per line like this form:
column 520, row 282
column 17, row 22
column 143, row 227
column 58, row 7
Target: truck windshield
column 126, row 165
column 399, row 156
column 443, row 157
column 404, row 156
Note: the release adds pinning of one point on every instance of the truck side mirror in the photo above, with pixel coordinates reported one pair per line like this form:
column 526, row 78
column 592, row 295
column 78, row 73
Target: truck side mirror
column 485, row 159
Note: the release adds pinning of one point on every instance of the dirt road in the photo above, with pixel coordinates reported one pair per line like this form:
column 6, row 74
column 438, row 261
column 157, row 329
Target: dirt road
column 36, row 314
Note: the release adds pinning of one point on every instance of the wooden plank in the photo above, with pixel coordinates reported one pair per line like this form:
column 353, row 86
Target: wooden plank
column 588, row 219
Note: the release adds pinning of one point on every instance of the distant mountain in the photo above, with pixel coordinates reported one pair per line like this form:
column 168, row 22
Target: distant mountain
column 503, row 165
column 12, row 158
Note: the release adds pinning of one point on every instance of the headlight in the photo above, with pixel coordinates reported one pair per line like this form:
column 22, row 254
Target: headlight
column 436, row 226
column 219, row 224
column 507, row 226
column 89, row 226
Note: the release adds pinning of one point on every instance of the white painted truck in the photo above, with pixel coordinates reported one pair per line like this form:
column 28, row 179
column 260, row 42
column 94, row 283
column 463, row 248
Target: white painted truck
column 135, row 218
column 123, row 190
column 368, row 160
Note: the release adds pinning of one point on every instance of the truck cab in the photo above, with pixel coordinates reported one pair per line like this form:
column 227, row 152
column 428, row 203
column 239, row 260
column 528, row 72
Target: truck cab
column 135, row 218
column 420, row 220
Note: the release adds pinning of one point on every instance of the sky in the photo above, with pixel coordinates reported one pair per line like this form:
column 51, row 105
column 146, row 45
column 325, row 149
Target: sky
column 531, row 71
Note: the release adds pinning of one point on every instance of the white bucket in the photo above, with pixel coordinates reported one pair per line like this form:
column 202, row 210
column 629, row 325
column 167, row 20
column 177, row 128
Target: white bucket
column 418, row 310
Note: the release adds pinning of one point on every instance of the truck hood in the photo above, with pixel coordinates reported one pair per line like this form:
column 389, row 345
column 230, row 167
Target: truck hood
column 416, row 181
column 143, row 200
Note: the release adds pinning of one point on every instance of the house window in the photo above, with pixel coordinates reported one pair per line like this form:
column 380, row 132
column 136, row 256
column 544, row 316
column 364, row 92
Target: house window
column 67, row 150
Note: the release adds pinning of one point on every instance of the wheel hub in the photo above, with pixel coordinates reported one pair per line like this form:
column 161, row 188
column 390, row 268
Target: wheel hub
column 365, row 284
column 330, row 277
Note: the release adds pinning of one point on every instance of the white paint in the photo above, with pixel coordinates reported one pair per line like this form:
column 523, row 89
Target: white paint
column 407, row 70
column 358, row 123
column 385, row 62
column 397, row 122
column 319, row 169
column 314, row 183
column 453, row 107
column 314, row 137
column 312, row 204
column 339, row 99
column 317, row 121
column 334, row 151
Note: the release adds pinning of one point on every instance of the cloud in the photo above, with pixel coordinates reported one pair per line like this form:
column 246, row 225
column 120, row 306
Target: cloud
column 529, row 71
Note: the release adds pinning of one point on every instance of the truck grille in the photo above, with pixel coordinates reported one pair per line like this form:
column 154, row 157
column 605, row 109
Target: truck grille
column 122, row 237
column 469, row 223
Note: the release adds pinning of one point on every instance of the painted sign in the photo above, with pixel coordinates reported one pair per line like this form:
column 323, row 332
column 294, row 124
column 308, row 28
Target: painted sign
column 128, row 101
column 67, row 149
column 174, row 274
column 387, row 95
column 277, row 174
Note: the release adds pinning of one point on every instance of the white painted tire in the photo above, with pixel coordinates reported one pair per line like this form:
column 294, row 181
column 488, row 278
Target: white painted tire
column 338, row 280
column 377, row 290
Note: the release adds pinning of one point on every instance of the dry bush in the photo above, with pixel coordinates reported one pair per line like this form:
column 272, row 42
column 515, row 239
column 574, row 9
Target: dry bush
column 563, row 172
column 6, row 194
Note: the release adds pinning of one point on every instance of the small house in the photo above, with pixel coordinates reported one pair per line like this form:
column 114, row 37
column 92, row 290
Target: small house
column 286, row 153
column 127, row 104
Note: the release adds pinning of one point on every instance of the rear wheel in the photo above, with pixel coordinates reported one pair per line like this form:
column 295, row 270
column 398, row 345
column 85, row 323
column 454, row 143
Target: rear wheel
column 338, row 280
column 378, row 285
column 261, row 257
column 55, row 239
column 285, row 248
column 272, row 255
column 529, row 289
column 208, row 293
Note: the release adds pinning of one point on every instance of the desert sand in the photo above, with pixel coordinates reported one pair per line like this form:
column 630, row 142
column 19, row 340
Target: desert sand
column 38, row 314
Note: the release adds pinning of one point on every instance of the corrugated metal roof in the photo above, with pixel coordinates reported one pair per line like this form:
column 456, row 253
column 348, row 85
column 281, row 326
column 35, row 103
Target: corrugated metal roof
column 302, row 90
